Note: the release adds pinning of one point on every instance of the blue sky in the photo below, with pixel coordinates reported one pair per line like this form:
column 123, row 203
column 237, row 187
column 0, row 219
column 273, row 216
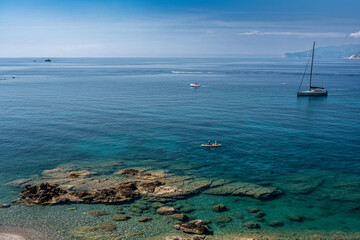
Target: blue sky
column 173, row 28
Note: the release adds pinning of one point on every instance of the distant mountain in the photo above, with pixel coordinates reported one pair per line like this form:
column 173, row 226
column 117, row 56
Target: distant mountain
column 343, row 51
column 355, row 56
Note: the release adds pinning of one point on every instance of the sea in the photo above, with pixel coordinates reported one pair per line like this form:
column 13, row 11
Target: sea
column 107, row 114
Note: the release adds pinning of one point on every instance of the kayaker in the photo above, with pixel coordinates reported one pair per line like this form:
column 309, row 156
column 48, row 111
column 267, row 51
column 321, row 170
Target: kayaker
column 209, row 142
column 215, row 143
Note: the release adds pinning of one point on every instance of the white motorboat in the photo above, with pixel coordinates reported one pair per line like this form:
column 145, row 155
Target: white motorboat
column 195, row 85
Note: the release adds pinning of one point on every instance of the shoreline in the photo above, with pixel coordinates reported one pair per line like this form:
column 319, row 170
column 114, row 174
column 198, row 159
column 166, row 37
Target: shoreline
column 245, row 216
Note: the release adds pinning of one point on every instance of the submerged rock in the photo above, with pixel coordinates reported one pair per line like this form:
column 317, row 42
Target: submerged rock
column 296, row 218
column 260, row 214
column 180, row 217
column 145, row 219
column 120, row 217
column 222, row 220
column 245, row 189
column 219, row 208
column 252, row 225
column 187, row 209
column 195, row 227
column 4, row 205
column 106, row 226
column 157, row 204
column 166, row 211
column 97, row 213
column 197, row 237
column 276, row 223
column 252, row 210
column 141, row 206
column 80, row 174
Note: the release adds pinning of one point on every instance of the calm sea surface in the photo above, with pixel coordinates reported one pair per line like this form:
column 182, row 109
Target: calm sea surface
column 89, row 112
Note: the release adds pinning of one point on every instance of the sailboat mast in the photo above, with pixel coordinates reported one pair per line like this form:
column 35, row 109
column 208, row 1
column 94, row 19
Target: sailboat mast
column 312, row 62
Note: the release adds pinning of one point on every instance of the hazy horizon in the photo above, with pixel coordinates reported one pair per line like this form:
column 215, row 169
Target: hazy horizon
column 107, row 29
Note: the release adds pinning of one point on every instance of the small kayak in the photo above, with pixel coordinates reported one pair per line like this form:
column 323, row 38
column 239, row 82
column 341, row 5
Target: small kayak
column 211, row 145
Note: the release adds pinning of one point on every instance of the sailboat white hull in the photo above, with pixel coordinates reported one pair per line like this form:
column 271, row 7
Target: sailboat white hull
column 313, row 93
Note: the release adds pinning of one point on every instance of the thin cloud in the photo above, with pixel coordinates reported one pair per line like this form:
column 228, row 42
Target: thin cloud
column 355, row 35
column 298, row 34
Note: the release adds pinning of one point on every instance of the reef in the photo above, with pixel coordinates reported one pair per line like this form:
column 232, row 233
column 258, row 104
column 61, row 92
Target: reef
column 64, row 185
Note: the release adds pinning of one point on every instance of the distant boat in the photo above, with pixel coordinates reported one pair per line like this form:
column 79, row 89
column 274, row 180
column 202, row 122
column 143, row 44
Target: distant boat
column 312, row 91
column 195, row 85
column 48, row 60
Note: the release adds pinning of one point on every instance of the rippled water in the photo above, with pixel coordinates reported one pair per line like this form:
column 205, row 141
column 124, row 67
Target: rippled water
column 89, row 112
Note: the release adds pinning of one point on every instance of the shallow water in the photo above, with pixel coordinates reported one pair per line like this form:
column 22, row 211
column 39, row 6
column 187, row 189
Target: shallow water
column 90, row 113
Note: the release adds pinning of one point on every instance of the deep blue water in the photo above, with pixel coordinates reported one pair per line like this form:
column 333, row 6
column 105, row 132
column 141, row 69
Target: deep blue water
column 96, row 110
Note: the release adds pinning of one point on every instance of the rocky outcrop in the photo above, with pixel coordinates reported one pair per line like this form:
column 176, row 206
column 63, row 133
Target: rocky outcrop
column 44, row 194
column 136, row 173
column 195, row 227
column 62, row 185
column 245, row 189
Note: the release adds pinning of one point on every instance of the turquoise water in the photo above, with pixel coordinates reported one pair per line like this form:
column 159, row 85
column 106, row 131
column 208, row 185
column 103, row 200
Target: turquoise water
column 92, row 112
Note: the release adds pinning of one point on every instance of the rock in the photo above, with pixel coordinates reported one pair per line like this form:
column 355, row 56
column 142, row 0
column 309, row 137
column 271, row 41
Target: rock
column 196, row 237
column 180, row 217
column 219, row 208
column 97, row 213
column 177, row 226
column 80, row 174
column 245, row 189
column 259, row 214
column 207, row 221
column 141, row 206
column 178, row 206
column 187, row 209
column 252, row 210
column 300, row 183
column 295, row 218
column 195, row 227
column 252, row 225
column 135, row 210
column 276, row 223
column 107, row 227
column 145, row 219
column 157, row 205
column 222, row 219
column 141, row 174
column 71, row 209
column 129, row 172
column 166, row 211
column 4, row 205
column 43, row 194
column 120, row 217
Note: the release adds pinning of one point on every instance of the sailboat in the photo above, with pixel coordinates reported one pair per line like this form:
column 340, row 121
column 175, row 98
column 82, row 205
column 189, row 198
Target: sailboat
column 312, row 91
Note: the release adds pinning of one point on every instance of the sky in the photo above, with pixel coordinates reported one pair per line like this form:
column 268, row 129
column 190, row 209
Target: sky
column 174, row 28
